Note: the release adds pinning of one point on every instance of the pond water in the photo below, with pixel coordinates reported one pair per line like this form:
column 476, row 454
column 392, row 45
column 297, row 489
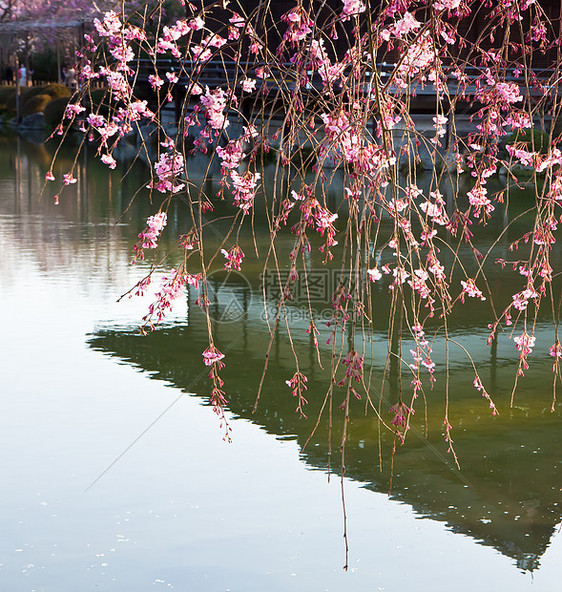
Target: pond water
column 115, row 476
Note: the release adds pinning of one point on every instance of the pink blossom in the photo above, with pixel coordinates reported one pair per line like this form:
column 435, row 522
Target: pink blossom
column 109, row 160
column 213, row 356
column 401, row 412
column 413, row 191
column 237, row 21
column 480, row 387
column 299, row 25
column 525, row 158
column 427, row 234
column 446, row 4
column 448, row 35
column 521, row 300
column 435, row 210
column 96, row 120
column 111, row 25
column 141, row 286
column 171, row 288
column 168, row 168
column 248, row 85
column 192, row 280
column 477, row 198
column 509, row 92
column 406, row 25
column 314, row 214
column 374, row 274
column 244, row 189
column 118, row 83
column 419, row 56
column 469, row 288
column 298, row 384
column 231, row 155
column 436, row 268
column 196, row 23
column 439, row 123
column 136, row 110
column 215, row 102
column 354, row 366
column 73, row 109
column 167, row 42
column 234, row 258
column 543, row 234
column 556, row 350
column 68, row 179
column 400, row 276
column 172, row 77
column 524, row 344
column 518, row 120
column 200, row 53
column 262, row 72
column 214, row 41
column 154, row 226
column 155, row 81
column 195, row 89
column 418, row 283
column 353, row 7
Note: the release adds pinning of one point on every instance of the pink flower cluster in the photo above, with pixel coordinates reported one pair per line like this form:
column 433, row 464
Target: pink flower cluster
column 524, row 344
column 298, row 385
column 170, row 290
column 435, row 210
column 213, row 356
column 231, row 155
column 402, row 27
column 248, row 85
column 118, row 35
column 422, row 356
column 313, row 214
column 477, row 198
column 418, row 57
column 556, row 352
column 418, row 283
column 234, row 258
column 154, row 226
column 521, row 299
column 480, row 387
column 244, row 189
column 470, row 289
column 168, row 168
column 155, row 81
column 170, row 35
column 374, row 274
column 352, row 8
column 446, row 4
column 401, row 413
column 214, row 103
column 68, row 179
column 354, row 367
column 299, row 25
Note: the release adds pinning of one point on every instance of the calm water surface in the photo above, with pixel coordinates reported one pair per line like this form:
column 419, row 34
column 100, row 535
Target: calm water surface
column 114, row 473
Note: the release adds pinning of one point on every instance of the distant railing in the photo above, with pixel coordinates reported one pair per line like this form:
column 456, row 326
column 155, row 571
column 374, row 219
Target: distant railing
column 219, row 73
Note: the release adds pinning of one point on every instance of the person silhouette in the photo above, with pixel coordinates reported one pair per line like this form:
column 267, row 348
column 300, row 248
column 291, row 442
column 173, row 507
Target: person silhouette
column 22, row 75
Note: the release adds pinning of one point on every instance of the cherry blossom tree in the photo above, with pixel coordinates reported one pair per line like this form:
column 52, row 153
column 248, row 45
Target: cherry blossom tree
column 45, row 11
column 330, row 88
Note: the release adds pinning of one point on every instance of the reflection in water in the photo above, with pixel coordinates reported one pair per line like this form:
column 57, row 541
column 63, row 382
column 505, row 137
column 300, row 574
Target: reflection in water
column 508, row 492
